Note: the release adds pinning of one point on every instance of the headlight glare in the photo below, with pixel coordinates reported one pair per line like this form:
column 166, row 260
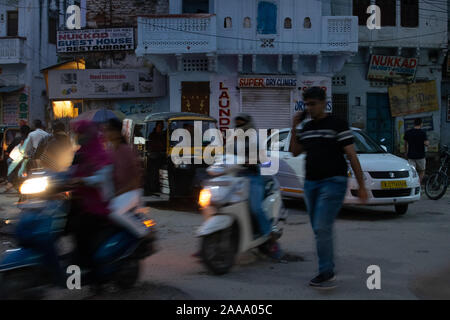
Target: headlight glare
column 204, row 200
column 34, row 186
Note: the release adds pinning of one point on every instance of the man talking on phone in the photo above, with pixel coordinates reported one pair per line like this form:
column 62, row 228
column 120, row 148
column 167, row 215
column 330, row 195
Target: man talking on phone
column 326, row 140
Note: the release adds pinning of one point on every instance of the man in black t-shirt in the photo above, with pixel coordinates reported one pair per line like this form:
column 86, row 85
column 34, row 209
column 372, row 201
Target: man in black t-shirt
column 325, row 139
column 416, row 140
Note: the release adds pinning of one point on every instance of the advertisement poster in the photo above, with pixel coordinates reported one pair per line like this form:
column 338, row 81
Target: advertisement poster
column 413, row 98
column 392, row 67
column 138, row 108
column 105, row 83
column 11, row 109
column 305, row 82
column 224, row 100
column 93, row 40
column 427, row 123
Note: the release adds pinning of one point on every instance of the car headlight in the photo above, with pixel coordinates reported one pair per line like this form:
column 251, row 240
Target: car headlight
column 34, row 186
column 414, row 172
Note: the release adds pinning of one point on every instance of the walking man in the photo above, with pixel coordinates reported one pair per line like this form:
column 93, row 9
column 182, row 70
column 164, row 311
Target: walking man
column 326, row 140
column 416, row 140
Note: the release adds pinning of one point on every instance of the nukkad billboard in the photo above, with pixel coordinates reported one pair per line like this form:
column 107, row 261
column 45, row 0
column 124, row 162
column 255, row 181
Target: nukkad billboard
column 392, row 67
column 413, row 98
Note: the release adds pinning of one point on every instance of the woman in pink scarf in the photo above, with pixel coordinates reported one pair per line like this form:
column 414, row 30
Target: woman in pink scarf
column 90, row 165
column 92, row 172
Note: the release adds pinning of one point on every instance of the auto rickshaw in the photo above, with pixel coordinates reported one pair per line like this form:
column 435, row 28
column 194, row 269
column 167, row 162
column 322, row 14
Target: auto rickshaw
column 163, row 176
column 134, row 132
column 7, row 135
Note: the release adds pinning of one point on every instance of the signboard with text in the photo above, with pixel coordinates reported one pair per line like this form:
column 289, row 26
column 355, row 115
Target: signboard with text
column 93, row 40
column 267, row 82
column 413, row 98
column 392, row 67
column 427, row 123
column 305, row 82
column 105, row 83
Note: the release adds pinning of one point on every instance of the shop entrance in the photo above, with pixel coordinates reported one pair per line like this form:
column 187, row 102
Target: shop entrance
column 195, row 97
column 270, row 108
column 379, row 120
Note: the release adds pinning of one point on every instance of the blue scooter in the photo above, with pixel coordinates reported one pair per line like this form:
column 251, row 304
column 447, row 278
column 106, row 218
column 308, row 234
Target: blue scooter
column 24, row 271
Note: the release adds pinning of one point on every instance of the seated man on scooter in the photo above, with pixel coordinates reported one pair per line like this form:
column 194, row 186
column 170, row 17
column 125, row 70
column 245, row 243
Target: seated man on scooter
column 257, row 186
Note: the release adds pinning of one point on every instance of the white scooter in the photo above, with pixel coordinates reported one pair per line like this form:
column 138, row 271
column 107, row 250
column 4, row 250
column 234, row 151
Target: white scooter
column 230, row 227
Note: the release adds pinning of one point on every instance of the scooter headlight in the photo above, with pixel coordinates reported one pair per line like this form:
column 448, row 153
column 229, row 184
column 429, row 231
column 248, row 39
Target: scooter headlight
column 204, row 199
column 34, row 186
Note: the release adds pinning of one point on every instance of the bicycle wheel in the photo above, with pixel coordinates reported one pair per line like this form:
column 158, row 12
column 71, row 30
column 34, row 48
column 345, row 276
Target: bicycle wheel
column 436, row 186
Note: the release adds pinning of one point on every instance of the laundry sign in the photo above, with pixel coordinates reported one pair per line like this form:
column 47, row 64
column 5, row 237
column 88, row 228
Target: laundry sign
column 392, row 67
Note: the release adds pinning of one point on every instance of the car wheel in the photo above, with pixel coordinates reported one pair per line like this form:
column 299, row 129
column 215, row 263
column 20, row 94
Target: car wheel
column 401, row 209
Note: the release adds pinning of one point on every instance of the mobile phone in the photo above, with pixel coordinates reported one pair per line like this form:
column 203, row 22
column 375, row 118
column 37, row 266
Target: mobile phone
column 304, row 115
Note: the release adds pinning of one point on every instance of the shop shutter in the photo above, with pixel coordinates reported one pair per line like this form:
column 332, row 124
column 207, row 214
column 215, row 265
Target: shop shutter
column 270, row 108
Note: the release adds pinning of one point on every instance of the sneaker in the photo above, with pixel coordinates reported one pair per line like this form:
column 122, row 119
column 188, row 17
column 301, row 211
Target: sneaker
column 324, row 281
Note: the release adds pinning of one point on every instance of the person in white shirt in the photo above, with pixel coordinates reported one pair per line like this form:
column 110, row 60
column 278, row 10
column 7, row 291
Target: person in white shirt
column 35, row 138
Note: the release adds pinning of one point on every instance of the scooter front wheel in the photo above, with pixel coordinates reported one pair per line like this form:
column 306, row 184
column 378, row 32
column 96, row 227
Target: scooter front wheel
column 219, row 250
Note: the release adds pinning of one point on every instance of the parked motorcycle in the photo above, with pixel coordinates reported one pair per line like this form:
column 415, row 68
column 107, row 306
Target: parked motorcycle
column 436, row 185
column 23, row 273
column 230, row 227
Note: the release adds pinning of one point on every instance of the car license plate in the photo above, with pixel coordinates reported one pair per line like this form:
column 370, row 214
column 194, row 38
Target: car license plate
column 399, row 184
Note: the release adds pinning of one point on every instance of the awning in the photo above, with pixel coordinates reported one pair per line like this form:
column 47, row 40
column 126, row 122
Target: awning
column 9, row 89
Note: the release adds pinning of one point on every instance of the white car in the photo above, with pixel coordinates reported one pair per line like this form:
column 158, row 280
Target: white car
column 389, row 180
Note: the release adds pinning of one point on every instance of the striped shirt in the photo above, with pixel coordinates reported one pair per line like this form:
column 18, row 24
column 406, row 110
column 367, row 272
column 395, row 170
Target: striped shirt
column 324, row 141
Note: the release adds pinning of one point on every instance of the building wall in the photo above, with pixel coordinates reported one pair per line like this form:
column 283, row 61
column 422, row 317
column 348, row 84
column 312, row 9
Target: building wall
column 357, row 85
column 37, row 54
column 122, row 13
column 445, row 125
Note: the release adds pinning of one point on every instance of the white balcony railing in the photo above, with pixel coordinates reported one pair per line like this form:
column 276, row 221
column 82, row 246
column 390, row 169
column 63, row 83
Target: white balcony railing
column 11, row 50
column 340, row 33
column 179, row 34
column 176, row 34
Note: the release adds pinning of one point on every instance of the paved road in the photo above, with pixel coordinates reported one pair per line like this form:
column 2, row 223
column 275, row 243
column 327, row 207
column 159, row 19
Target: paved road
column 411, row 250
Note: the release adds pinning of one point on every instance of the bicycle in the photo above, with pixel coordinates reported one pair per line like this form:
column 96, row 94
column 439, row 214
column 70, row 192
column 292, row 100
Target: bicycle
column 437, row 183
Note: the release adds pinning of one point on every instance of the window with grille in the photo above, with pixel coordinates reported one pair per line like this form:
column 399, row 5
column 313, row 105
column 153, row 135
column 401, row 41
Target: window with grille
column 388, row 12
column 340, row 106
column 409, row 13
column 195, row 64
column 360, row 10
column 339, row 81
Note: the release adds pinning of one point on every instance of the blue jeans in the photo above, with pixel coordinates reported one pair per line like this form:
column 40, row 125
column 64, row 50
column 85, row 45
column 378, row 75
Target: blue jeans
column 324, row 199
column 256, row 198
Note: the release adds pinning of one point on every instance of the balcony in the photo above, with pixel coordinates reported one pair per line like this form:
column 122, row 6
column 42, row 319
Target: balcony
column 340, row 34
column 12, row 50
column 196, row 33
column 169, row 34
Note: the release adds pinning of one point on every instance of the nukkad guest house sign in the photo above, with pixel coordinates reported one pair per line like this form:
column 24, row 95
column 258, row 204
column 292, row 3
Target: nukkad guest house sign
column 392, row 67
column 89, row 40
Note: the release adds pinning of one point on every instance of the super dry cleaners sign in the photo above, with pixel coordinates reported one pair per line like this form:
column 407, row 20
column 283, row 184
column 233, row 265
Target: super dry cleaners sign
column 89, row 40
column 392, row 67
column 266, row 82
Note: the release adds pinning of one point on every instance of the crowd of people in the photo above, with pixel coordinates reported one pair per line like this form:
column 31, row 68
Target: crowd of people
column 93, row 155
